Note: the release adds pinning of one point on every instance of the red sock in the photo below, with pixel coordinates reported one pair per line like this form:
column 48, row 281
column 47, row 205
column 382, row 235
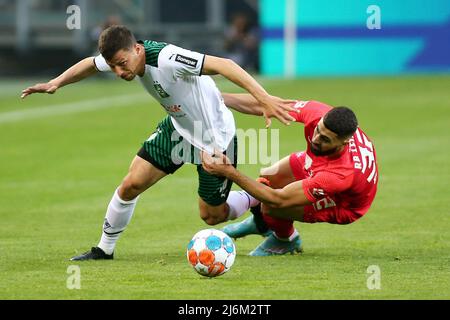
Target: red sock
column 282, row 228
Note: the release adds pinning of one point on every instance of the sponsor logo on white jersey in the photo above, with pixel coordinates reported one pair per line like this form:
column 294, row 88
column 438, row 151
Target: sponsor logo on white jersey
column 186, row 60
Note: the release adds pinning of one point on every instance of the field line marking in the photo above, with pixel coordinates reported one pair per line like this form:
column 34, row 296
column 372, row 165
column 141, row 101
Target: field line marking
column 71, row 107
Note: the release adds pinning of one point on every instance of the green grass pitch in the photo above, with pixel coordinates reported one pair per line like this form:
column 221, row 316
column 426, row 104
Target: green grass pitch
column 62, row 156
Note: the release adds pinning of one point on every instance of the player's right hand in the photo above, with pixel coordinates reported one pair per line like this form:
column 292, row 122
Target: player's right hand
column 216, row 164
column 279, row 108
column 39, row 88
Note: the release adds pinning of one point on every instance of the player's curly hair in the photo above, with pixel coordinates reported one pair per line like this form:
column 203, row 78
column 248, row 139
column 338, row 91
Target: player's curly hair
column 113, row 39
column 342, row 121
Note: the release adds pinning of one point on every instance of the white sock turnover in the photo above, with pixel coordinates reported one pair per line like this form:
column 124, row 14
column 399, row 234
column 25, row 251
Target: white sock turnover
column 239, row 202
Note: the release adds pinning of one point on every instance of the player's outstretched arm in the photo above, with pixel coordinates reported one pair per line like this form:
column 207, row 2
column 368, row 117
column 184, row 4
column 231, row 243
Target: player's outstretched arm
column 77, row 72
column 233, row 72
column 243, row 102
column 290, row 196
column 246, row 103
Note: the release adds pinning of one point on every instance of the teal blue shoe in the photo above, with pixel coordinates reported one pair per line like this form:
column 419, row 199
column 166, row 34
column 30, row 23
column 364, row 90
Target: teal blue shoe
column 274, row 246
column 244, row 228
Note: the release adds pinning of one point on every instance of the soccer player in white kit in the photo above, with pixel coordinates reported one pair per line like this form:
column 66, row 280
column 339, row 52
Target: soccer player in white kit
column 198, row 119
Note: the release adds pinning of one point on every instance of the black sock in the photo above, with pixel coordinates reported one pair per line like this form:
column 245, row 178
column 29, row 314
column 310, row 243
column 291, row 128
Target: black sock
column 258, row 218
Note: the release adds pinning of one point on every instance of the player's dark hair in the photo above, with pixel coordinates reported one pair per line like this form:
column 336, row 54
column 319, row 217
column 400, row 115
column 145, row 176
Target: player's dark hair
column 342, row 121
column 114, row 39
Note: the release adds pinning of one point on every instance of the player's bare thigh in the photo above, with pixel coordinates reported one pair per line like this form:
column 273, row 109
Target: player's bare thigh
column 279, row 174
column 141, row 176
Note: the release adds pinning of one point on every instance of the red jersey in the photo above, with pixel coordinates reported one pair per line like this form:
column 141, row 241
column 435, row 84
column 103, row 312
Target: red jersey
column 347, row 180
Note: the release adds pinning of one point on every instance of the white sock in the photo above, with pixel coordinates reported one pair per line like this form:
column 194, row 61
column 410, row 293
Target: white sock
column 239, row 202
column 117, row 217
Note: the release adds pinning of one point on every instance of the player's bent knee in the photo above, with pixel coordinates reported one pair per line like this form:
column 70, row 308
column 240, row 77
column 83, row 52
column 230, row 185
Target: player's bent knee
column 269, row 174
column 211, row 219
column 266, row 173
column 212, row 215
column 204, row 214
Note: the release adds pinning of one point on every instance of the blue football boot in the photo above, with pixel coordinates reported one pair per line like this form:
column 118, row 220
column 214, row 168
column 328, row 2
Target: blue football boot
column 274, row 246
column 244, row 228
column 252, row 225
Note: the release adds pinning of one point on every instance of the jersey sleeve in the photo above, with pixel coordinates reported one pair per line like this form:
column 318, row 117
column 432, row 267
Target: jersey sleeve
column 325, row 184
column 309, row 111
column 180, row 62
column 100, row 64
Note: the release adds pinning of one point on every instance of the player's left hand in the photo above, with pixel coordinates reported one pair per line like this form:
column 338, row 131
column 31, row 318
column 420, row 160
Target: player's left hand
column 217, row 164
column 276, row 107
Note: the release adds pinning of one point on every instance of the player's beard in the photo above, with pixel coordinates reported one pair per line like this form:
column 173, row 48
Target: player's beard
column 129, row 77
column 320, row 153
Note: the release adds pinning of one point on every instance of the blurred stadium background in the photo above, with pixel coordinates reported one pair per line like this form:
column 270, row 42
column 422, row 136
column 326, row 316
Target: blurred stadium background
column 297, row 37
column 62, row 156
column 37, row 28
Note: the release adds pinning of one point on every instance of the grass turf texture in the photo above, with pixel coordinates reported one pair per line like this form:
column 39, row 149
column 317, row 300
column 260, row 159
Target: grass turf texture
column 58, row 173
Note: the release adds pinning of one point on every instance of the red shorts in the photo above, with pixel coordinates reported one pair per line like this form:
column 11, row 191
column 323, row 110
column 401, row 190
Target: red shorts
column 326, row 209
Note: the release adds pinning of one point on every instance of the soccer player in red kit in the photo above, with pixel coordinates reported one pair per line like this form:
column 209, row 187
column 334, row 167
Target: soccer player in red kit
column 334, row 180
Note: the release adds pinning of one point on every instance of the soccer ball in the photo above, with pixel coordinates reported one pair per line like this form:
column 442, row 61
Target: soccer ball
column 211, row 252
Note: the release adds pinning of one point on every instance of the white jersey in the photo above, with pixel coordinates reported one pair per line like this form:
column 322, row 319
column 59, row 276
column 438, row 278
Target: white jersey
column 193, row 101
